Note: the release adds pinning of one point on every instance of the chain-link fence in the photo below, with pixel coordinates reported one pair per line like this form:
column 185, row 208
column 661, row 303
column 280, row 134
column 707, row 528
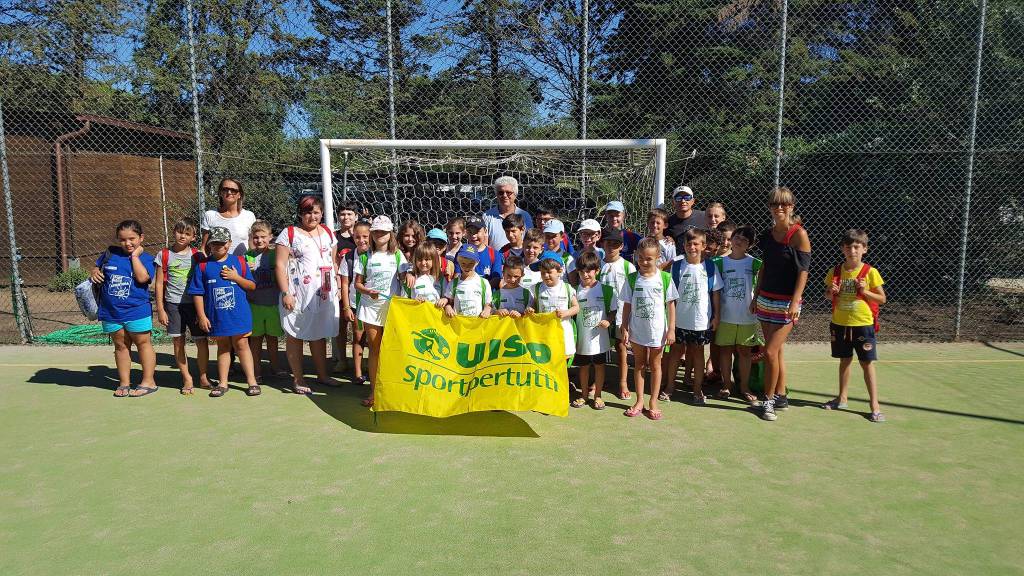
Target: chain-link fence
column 902, row 117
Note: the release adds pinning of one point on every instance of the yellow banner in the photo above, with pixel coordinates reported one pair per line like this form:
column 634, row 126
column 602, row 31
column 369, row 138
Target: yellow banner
column 439, row 366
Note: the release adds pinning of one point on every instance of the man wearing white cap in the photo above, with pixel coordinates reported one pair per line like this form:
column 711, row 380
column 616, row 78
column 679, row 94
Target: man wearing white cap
column 685, row 216
column 615, row 217
column 506, row 190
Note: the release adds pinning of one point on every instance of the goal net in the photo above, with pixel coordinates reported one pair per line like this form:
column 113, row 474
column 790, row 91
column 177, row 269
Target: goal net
column 434, row 181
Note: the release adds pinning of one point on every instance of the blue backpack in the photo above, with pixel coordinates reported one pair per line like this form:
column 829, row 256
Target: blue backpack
column 709, row 269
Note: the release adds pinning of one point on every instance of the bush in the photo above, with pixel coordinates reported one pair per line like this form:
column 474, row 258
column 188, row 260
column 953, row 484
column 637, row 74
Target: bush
column 66, row 281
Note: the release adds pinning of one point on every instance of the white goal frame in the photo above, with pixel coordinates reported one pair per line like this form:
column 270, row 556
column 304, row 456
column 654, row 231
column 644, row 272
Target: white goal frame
column 327, row 144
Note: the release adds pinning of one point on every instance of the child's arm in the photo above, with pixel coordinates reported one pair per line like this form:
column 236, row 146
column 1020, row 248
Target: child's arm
column 204, row 322
column 716, row 308
column 158, row 287
column 362, row 289
column 670, row 323
column 571, row 311
column 627, row 310
column 281, row 255
column 803, row 245
column 876, row 294
column 757, row 290
column 486, row 312
column 229, row 273
column 139, row 270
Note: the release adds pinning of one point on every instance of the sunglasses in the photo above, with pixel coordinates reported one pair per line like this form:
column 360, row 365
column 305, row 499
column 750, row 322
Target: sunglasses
column 779, row 205
column 230, row 191
column 686, row 198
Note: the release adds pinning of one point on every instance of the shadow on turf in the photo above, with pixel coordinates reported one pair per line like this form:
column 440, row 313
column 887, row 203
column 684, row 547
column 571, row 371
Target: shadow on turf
column 343, row 405
column 907, row 406
column 994, row 347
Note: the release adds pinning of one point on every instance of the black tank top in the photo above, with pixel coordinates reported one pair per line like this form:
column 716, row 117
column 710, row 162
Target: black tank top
column 779, row 262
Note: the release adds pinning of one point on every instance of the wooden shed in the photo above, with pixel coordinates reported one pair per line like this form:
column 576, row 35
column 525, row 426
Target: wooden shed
column 75, row 176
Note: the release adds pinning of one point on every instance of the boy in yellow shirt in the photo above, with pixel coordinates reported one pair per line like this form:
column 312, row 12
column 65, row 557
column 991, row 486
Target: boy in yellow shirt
column 855, row 290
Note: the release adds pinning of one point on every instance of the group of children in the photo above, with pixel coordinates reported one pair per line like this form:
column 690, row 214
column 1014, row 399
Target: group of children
column 618, row 292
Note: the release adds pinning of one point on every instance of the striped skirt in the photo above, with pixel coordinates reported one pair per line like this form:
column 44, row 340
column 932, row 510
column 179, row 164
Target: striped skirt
column 773, row 307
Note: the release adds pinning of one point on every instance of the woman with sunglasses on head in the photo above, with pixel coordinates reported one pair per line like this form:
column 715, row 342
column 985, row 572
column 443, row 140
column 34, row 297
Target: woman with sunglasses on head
column 778, row 292
column 230, row 214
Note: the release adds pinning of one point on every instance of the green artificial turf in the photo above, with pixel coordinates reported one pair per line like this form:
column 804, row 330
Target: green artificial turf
column 282, row 484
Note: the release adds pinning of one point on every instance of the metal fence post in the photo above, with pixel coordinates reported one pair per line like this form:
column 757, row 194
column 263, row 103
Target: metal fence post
column 585, row 85
column 20, row 309
column 391, row 112
column 782, row 90
column 200, row 187
column 969, row 185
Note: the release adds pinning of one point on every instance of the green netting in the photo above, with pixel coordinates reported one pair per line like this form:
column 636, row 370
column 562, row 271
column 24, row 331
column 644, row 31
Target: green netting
column 87, row 334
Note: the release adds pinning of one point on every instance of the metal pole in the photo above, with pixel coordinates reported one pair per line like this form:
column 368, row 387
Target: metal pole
column 782, row 91
column 585, row 81
column 326, row 184
column 391, row 112
column 200, row 187
column 20, row 312
column 163, row 202
column 970, row 170
column 344, row 178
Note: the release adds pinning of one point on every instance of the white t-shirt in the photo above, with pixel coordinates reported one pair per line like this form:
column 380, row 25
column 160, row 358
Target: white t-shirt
column 530, row 277
column 571, row 266
column 737, row 290
column 351, row 280
column 381, row 273
column 517, row 299
column 590, row 339
column 557, row 297
column 427, row 288
column 238, row 226
column 668, row 250
column 693, row 310
column 469, row 295
column 648, row 300
column 614, row 275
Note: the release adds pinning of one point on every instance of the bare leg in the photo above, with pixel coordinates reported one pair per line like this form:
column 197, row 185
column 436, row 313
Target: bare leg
column 272, row 353
column 725, row 365
column 639, row 365
column 203, row 361
column 223, row 360
column 374, row 334
column 318, row 348
column 598, row 380
column 844, row 378
column 695, row 352
column 675, row 353
column 293, row 350
column 143, row 342
column 357, row 352
column 869, row 380
column 244, row 352
column 256, row 353
column 744, row 368
column 775, row 337
column 584, row 372
column 122, row 359
column 623, row 358
column 181, row 359
column 654, row 355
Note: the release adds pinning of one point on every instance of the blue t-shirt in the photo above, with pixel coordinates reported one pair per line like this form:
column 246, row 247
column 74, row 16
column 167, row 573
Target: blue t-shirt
column 223, row 300
column 487, row 268
column 122, row 299
column 630, row 241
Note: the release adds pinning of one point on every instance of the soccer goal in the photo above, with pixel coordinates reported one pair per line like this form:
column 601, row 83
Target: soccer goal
column 435, row 180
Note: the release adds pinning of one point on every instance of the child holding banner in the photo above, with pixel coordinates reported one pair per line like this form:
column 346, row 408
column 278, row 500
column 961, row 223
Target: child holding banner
column 429, row 284
column 648, row 322
column 597, row 305
column 469, row 294
column 375, row 282
column 555, row 295
column 511, row 299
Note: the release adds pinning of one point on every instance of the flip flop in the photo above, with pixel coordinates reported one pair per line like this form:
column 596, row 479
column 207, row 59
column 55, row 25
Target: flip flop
column 598, row 404
column 723, row 394
column 188, row 391
column 296, row 390
column 625, row 396
column 633, row 412
column 147, row 390
column 218, row 391
column 834, row 404
column 578, row 403
column 125, row 390
column 653, row 414
column 254, row 390
column 664, row 397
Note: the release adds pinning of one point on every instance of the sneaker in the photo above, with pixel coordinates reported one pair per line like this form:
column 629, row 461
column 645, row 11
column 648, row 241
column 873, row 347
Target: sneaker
column 699, row 400
column 768, row 411
column 781, row 402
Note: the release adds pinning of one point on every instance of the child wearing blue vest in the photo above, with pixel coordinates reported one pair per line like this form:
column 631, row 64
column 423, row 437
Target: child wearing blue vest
column 124, row 273
column 699, row 287
column 218, row 288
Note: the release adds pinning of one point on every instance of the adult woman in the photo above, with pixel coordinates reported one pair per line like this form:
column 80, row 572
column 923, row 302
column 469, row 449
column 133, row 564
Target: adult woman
column 778, row 293
column 230, row 214
column 307, row 279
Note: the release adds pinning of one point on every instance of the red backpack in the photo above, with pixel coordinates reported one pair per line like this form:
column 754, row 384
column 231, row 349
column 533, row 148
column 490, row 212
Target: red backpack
column 837, row 277
column 165, row 260
column 241, row 261
column 291, row 233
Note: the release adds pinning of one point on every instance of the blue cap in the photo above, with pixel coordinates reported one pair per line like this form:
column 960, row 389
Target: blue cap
column 547, row 255
column 437, row 234
column 468, row 251
column 615, row 206
column 554, row 226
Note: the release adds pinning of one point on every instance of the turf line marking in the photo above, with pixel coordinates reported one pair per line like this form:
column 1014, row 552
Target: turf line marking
column 936, row 361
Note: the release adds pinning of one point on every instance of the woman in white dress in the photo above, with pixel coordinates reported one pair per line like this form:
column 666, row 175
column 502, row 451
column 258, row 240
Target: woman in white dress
column 230, row 214
column 307, row 278
column 376, row 281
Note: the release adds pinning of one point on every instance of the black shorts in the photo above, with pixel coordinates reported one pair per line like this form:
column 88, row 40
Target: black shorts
column 694, row 336
column 181, row 317
column 846, row 339
column 592, row 360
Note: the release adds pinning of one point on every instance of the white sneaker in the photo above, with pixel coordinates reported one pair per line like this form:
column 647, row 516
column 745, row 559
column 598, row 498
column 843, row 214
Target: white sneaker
column 768, row 411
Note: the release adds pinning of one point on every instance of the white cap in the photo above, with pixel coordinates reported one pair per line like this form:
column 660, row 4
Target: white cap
column 590, row 224
column 381, row 223
column 554, row 227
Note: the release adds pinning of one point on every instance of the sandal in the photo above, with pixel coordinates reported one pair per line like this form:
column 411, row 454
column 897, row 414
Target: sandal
column 723, row 394
column 218, row 391
column 187, row 390
column 367, row 402
column 143, row 391
column 876, row 417
column 664, row 397
column 835, row 404
column 634, row 411
column 653, row 414
column 300, row 390
column 360, row 380
column 578, row 403
column 598, row 404
column 122, row 391
column 254, row 390
column 625, row 395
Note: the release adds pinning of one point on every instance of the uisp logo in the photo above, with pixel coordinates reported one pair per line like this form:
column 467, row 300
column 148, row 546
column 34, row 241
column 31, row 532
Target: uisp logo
column 429, row 343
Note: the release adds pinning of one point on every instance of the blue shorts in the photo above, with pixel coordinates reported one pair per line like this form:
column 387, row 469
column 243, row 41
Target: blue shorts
column 131, row 326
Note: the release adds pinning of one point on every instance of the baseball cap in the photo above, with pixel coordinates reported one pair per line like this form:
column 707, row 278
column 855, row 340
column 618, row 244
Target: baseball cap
column 609, row 234
column 219, row 235
column 474, row 222
column 590, row 224
column 547, row 255
column 437, row 234
column 554, row 226
column 682, row 193
column 615, row 206
column 381, row 223
column 468, row 251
